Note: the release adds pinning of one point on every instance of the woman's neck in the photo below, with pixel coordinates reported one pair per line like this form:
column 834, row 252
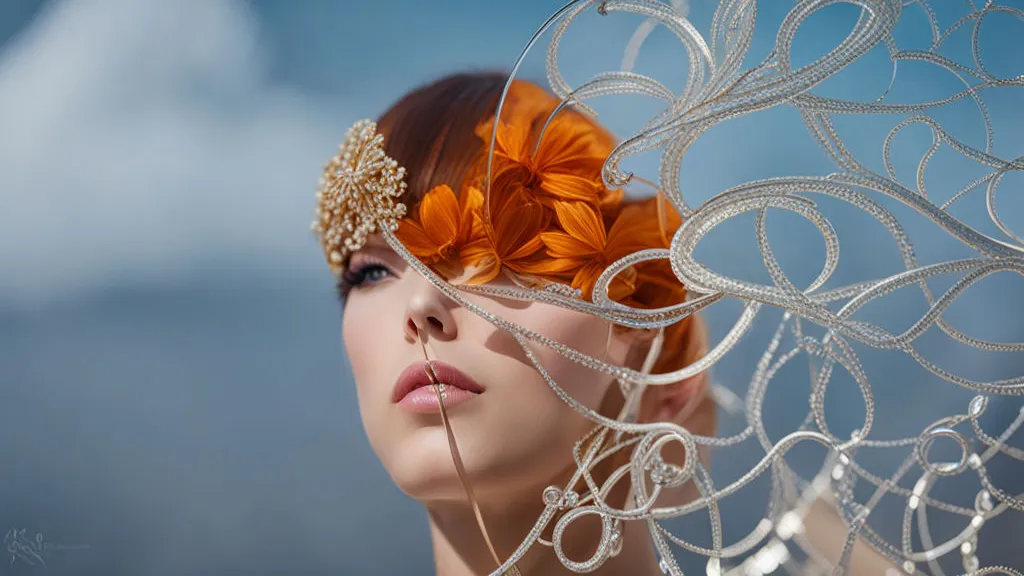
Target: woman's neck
column 460, row 549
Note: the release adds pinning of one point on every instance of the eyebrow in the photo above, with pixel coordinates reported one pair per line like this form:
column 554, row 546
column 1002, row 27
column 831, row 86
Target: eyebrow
column 380, row 248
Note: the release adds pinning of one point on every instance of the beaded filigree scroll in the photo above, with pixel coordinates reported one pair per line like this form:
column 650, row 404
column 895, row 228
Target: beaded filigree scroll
column 719, row 87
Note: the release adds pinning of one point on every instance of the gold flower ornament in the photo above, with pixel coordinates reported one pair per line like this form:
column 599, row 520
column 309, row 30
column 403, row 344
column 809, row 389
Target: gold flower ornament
column 357, row 194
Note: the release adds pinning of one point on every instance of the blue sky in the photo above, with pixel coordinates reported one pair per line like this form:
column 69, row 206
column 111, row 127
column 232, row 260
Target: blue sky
column 150, row 137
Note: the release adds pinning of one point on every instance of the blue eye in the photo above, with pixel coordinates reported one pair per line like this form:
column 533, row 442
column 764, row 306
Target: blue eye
column 373, row 273
column 362, row 275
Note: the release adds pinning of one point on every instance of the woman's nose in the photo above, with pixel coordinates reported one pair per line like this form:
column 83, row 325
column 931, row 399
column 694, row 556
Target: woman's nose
column 429, row 311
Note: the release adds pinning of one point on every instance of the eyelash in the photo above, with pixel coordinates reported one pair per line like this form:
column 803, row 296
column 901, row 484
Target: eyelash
column 356, row 277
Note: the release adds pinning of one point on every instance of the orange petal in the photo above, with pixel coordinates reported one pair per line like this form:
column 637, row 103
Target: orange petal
column 482, row 272
column 517, row 224
column 416, row 240
column 562, row 245
column 476, row 250
column 439, row 215
column 573, row 143
column 581, row 221
column 526, row 249
column 586, row 277
column 527, row 100
column 472, row 201
column 448, row 268
column 512, row 139
column 552, row 266
column 569, row 186
column 479, row 261
column 636, row 228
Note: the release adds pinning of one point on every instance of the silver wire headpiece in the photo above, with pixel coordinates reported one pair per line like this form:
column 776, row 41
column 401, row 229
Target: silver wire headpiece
column 824, row 325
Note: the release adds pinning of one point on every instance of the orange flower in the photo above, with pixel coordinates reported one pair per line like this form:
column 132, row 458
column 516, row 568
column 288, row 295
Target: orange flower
column 510, row 239
column 550, row 216
column 584, row 249
column 567, row 163
column 442, row 227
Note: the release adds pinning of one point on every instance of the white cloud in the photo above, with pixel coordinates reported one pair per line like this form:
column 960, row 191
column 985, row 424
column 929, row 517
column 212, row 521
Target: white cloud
column 141, row 137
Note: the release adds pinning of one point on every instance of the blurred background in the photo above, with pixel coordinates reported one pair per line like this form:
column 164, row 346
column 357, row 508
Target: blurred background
column 174, row 398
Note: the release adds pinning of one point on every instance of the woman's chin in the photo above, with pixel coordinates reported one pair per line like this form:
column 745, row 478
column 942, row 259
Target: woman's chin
column 423, row 469
column 426, row 472
column 429, row 484
column 495, row 460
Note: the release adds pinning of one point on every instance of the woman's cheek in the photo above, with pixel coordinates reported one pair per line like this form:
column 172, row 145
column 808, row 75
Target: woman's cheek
column 364, row 338
column 358, row 341
column 581, row 332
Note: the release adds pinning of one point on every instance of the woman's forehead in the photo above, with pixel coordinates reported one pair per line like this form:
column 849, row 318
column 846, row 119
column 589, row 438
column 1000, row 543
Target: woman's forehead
column 376, row 246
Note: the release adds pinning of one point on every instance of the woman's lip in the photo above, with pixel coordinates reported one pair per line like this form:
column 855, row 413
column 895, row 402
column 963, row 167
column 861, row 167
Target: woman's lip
column 423, row 400
column 415, row 376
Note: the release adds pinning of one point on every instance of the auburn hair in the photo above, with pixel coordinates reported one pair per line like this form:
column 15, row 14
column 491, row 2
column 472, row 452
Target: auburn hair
column 431, row 131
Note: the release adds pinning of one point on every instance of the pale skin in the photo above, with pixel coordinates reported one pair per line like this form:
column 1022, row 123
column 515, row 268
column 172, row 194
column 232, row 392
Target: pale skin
column 516, row 437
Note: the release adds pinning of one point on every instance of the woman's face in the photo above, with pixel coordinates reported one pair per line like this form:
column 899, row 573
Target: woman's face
column 516, row 436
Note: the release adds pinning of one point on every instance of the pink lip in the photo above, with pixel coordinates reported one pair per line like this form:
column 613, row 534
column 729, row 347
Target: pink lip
column 414, row 392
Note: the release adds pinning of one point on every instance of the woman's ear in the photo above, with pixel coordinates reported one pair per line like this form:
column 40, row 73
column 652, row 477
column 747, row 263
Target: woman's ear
column 678, row 401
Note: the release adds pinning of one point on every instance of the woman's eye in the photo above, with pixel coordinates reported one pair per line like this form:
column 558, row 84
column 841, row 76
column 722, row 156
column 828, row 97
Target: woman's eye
column 375, row 273
column 366, row 274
